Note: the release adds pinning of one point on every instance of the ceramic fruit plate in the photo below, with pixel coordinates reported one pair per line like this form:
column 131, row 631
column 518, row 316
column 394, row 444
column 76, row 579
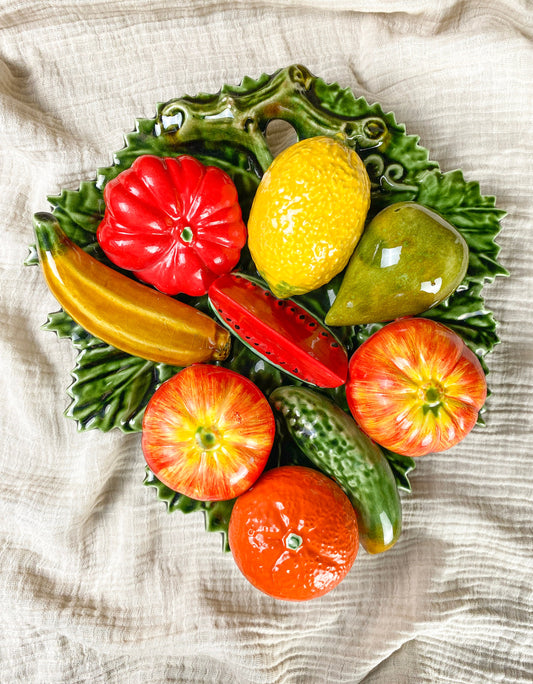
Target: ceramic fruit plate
column 229, row 129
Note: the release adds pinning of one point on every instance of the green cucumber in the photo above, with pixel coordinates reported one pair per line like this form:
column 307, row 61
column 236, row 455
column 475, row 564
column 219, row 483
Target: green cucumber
column 333, row 442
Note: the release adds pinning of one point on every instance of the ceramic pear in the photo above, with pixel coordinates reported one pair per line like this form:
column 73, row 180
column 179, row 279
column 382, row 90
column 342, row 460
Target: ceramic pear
column 408, row 260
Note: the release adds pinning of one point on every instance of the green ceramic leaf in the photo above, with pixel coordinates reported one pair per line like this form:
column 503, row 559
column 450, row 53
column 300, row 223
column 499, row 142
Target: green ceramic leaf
column 228, row 129
column 401, row 467
column 465, row 312
column 110, row 388
column 63, row 325
column 79, row 212
column 217, row 513
column 475, row 216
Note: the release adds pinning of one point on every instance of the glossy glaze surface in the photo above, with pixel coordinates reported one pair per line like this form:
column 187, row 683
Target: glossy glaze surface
column 408, row 259
column 207, row 433
column 120, row 311
column 294, row 534
column 414, row 387
column 108, row 388
column 279, row 330
column 332, row 441
column 307, row 215
column 228, row 129
column 174, row 222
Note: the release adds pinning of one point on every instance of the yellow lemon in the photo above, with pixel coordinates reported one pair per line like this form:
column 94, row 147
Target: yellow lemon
column 307, row 215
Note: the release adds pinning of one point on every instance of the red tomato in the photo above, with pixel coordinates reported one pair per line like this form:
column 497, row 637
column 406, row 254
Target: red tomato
column 414, row 387
column 174, row 222
column 207, row 433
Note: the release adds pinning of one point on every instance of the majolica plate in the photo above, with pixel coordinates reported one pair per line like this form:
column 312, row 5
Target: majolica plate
column 229, row 129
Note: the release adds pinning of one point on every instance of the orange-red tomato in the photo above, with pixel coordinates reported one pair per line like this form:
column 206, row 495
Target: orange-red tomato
column 414, row 387
column 174, row 222
column 294, row 534
column 207, row 433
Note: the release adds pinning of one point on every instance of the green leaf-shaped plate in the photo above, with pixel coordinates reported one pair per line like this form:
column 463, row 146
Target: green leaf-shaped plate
column 229, row 129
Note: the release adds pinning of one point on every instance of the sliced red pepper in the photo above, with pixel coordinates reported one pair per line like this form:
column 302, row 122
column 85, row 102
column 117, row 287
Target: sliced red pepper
column 279, row 330
column 174, row 222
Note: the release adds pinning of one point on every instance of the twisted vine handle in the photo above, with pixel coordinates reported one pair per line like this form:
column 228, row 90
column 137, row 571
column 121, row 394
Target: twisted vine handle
column 239, row 116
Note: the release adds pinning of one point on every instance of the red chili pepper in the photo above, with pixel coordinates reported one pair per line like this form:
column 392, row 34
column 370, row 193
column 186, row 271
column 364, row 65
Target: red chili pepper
column 174, row 222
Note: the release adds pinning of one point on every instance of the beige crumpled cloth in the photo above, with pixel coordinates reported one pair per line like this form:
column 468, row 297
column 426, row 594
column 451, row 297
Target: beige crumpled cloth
column 97, row 582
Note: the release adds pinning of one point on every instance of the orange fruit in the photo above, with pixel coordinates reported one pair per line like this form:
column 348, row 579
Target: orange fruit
column 294, row 534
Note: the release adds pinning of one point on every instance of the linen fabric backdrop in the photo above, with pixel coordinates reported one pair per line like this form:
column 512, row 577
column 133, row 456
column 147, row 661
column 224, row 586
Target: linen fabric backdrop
column 97, row 582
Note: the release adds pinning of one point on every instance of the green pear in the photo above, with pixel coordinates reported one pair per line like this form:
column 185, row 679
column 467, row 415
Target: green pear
column 407, row 260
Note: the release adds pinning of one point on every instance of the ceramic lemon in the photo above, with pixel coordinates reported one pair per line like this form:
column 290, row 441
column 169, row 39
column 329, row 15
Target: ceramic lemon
column 307, row 215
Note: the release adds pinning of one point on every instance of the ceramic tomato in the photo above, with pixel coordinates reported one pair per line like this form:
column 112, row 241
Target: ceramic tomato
column 173, row 222
column 207, row 433
column 414, row 387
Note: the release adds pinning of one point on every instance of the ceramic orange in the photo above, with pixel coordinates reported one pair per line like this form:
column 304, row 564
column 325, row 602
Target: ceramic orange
column 294, row 534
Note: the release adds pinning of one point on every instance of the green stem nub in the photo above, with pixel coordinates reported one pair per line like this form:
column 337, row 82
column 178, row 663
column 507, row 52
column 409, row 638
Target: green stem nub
column 293, row 541
column 206, row 438
column 433, row 395
column 187, row 234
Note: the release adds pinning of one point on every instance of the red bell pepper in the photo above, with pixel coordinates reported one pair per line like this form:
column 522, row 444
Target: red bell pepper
column 174, row 222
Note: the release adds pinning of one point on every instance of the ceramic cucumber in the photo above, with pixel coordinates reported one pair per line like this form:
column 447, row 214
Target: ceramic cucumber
column 331, row 439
